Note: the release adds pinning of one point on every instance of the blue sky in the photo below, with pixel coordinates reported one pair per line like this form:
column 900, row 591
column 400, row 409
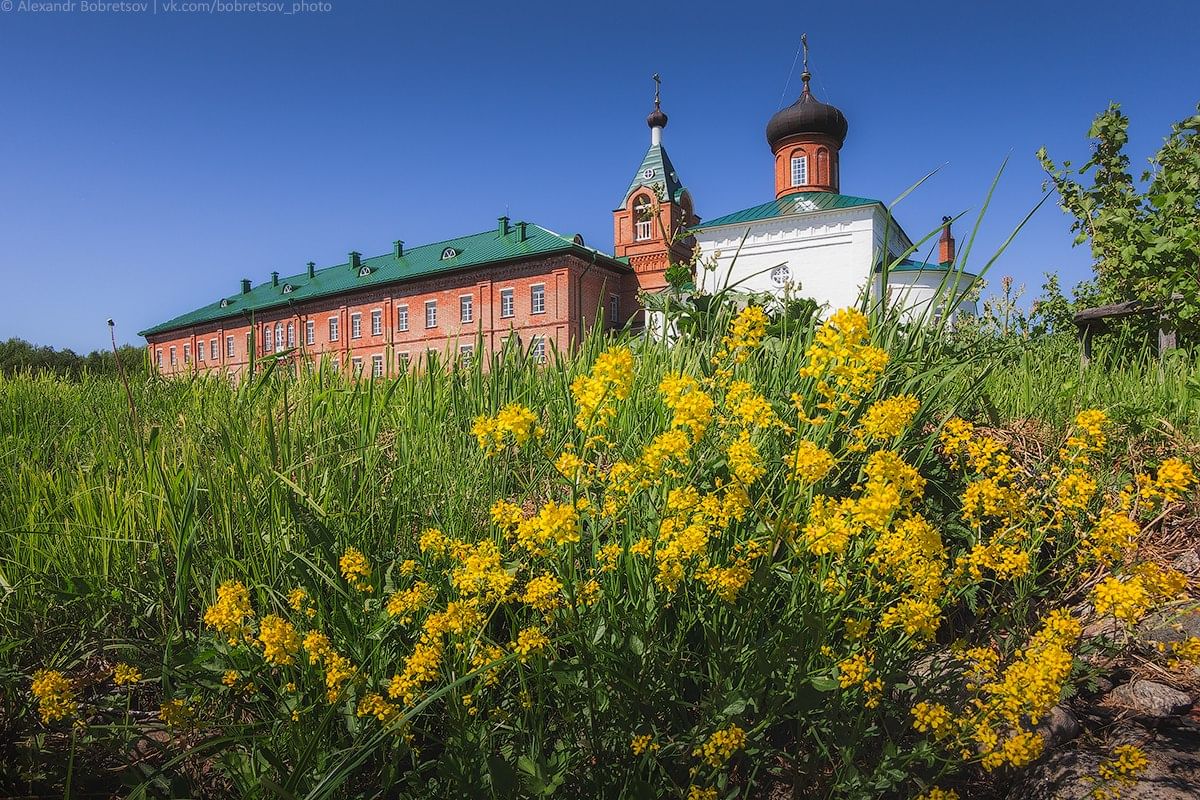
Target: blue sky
column 149, row 161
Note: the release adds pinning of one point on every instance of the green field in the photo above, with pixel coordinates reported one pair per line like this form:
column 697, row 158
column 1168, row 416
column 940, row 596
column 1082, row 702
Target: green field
column 118, row 525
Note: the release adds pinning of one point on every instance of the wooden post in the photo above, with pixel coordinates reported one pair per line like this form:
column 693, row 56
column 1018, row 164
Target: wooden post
column 1166, row 338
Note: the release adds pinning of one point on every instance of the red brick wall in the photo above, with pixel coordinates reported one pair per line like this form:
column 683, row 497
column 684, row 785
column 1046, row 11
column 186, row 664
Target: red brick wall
column 822, row 152
column 572, row 289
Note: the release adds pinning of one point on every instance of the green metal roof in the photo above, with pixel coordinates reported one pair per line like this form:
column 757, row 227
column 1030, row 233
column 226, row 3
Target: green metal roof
column 799, row 203
column 474, row 250
column 657, row 172
column 911, row 265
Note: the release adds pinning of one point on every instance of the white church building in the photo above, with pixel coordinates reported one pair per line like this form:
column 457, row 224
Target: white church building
column 813, row 241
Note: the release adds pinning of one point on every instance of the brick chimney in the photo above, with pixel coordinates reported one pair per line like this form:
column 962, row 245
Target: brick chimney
column 946, row 245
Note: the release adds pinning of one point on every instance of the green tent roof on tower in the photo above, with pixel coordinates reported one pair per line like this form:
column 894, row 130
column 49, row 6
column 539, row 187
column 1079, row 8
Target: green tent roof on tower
column 657, row 173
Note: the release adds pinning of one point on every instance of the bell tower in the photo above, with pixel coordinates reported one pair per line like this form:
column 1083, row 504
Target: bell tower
column 649, row 228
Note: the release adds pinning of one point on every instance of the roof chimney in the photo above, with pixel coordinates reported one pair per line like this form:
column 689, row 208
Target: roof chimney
column 946, row 244
column 399, row 248
column 355, row 259
column 274, row 278
column 312, row 269
column 245, row 286
column 520, row 231
column 503, row 227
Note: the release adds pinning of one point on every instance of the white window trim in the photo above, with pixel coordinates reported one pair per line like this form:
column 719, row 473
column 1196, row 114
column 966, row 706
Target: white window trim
column 174, row 356
column 402, row 317
column 310, row 332
column 356, row 325
column 800, row 170
column 377, row 316
column 158, row 357
column 510, row 293
column 335, row 332
column 430, row 305
column 533, row 309
column 466, row 312
column 377, row 366
column 230, row 347
column 200, row 350
column 215, row 354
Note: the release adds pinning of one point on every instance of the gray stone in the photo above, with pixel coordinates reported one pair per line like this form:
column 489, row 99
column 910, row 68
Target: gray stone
column 1070, row 773
column 1188, row 562
column 1170, row 625
column 1058, row 727
column 1151, row 698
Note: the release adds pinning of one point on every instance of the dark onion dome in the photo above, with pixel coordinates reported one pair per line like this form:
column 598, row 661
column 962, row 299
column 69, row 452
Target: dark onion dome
column 657, row 119
column 807, row 115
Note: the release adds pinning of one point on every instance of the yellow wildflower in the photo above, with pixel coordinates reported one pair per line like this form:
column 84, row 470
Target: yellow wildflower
column 809, row 462
column 228, row 615
column 175, row 713
column 514, row 421
column 721, row 745
column 55, row 696
column 279, row 640
column 530, row 642
column 124, row 674
column 356, row 569
column 543, row 593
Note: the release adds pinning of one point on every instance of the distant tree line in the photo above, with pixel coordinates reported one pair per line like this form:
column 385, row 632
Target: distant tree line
column 17, row 355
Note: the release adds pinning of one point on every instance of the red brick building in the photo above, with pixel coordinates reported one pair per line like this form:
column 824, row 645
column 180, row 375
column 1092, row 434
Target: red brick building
column 458, row 298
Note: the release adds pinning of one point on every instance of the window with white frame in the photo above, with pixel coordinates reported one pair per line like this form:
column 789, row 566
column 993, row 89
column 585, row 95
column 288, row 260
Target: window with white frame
column 614, row 309
column 377, row 322
column 356, row 366
column 310, row 332
column 466, row 308
column 431, row 313
column 212, row 349
column 356, row 326
column 158, row 357
column 187, row 354
column 465, row 353
column 333, row 329
column 537, row 298
column 539, row 349
column 278, row 335
column 268, row 339
column 174, row 361
column 230, row 348
column 291, row 334
column 506, row 303
column 377, row 366
column 799, row 170
column 199, row 349
column 404, row 359
column 401, row 318
column 642, row 229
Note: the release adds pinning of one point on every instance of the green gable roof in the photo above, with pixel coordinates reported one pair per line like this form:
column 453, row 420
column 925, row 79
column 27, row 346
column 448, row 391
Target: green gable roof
column 475, row 250
column 911, row 265
column 657, row 171
column 799, row 203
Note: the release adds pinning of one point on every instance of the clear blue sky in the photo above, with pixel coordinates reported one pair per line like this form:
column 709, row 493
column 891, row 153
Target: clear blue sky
column 150, row 161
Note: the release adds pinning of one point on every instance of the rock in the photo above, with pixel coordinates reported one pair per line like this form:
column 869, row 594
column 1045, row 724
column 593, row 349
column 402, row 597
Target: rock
column 1170, row 625
column 1151, row 698
column 1070, row 773
column 1059, row 727
column 1188, row 562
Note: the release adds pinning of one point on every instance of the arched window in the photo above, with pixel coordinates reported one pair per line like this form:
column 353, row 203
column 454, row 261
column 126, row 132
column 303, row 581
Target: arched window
column 268, row 339
column 799, row 169
column 823, row 175
column 291, row 334
column 278, row 335
column 642, row 229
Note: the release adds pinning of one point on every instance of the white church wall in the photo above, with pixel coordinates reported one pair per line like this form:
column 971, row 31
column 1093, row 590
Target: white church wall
column 827, row 253
column 915, row 292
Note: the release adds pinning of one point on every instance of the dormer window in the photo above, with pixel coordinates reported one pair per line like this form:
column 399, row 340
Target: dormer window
column 449, row 253
column 364, row 272
column 287, row 288
column 641, row 219
column 224, row 303
column 800, row 170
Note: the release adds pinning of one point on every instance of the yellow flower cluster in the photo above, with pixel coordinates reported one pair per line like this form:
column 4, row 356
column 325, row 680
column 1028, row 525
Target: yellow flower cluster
column 279, row 640
column 1121, row 771
column 481, row 571
column 373, row 705
column 1111, row 538
column 554, row 523
column 543, row 593
column 643, row 743
column 299, row 600
column 356, row 569
column 176, row 714
column 726, row 582
column 745, row 464
column 691, row 407
column 937, row 793
column 1075, row 490
column 530, row 642
column 841, row 361
column 1174, row 478
column 338, row 668
column 721, row 746
column 597, row 393
column 404, row 604
column 124, row 675
column 54, row 694
column 853, row 670
column 683, row 536
column 932, row 717
column 229, row 614
column 1089, row 436
column 701, row 793
column 1186, row 653
column 809, row 462
column 1129, row 599
column 745, row 335
column 749, row 408
column 886, row 419
column 514, row 421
